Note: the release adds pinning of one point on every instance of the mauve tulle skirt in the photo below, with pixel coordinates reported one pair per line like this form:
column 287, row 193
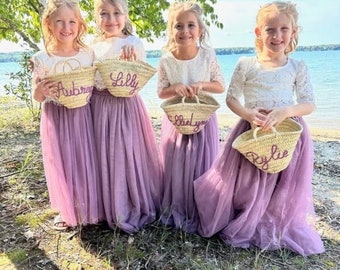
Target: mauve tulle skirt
column 249, row 207
column 70, row 165
column 129, row 163
column 185, row 158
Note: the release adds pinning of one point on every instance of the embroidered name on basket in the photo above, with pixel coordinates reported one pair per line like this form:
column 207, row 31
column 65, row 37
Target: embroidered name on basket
column 73, row 91
column 179, row 120
column 263, row 161
column 125, row 80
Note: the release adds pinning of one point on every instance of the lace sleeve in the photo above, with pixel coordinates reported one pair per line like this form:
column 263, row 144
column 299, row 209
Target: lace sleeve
column 304, row 88
column 236, row 85
column 163, row 80
column 216, row 73
column 39, row 70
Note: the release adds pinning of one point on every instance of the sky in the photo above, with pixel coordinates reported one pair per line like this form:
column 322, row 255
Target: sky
column 319, row 21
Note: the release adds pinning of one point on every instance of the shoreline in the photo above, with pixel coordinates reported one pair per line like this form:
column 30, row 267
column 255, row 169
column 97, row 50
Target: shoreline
column 227, row 120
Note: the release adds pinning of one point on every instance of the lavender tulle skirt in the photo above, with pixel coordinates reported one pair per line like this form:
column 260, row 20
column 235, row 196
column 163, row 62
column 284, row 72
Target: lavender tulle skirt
column 69, row 159
column 248, row 207
column 185, row 158
column 129, row 163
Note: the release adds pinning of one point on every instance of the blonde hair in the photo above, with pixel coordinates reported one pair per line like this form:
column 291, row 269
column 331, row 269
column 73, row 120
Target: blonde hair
column 179, row 7
column 286, row 8
column 50, row 10
column 122, row 6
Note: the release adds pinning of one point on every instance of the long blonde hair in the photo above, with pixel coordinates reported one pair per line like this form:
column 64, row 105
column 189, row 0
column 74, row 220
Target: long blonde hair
column 178, row 7
column 52, row 7
column 286, row 8
column 122, row 6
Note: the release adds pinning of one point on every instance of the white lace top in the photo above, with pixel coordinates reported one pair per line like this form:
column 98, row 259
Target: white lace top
column 45, row 64
column 203, row 67
column 271, row 87
column 111, row 48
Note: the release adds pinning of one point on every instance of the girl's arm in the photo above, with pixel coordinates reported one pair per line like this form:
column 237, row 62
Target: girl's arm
column 41, row 88
column 254, row 116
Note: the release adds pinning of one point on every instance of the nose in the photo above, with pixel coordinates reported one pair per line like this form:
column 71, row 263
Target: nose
column 276, row 35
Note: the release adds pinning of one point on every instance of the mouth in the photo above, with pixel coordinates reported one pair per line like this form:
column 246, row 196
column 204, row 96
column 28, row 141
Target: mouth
column 66, row 34
column 185, row 38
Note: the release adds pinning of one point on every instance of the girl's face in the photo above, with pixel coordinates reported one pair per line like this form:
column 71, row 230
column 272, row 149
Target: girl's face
column 186, row 30
column 276, row 32
column 111, row 20
column 64, row 25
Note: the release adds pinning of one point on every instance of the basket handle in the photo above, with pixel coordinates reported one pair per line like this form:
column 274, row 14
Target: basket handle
column 67, row 62
column 258, row 128
column 196, row 97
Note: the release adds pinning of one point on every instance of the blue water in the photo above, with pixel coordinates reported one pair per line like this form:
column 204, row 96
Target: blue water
column 323, row 66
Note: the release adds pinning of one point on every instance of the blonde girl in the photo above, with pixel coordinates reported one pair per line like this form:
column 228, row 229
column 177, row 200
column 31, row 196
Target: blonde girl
column 243, row 204
column 67, row 137
column 130, row 171
column 187, row 67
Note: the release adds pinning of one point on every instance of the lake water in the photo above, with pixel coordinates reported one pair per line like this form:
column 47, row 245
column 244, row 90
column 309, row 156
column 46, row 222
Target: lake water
column 324, row 70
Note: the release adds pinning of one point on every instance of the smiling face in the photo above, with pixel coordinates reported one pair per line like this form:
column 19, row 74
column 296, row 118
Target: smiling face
column 276, row 32
column 186, row 30
column 64, row 25
column 111, row 19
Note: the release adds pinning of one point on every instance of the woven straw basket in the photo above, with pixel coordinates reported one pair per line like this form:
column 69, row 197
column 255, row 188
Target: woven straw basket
column 190, row 115
column 74, row 87
column 270, row 151
column 124, row 78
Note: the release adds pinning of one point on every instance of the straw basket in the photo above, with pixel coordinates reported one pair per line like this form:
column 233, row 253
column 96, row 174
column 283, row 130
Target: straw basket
column 270, row 151
column 124, row 78
column 74, row 88
column 190, row 115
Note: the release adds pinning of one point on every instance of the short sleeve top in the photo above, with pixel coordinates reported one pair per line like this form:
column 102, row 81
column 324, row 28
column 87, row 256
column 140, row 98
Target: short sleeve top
column 203, row 67
column 271, row 87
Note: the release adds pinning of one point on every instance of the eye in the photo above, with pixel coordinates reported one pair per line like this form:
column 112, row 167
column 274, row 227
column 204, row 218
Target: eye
column 178, row 26
column 117, row 13
column 192, row 25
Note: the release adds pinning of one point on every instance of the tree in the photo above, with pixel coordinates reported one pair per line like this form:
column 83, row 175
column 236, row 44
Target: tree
column 20, row 19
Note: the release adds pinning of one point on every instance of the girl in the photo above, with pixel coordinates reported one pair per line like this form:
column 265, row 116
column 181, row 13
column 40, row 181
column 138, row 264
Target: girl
column 66, row 134
column 246, row 206
column 188, row 66
column 130, row 170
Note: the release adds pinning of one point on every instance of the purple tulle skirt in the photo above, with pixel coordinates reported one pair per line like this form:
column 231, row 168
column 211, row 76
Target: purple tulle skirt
column 69, row 159
column 129, row 163
column 185, row 158
column 249, row 207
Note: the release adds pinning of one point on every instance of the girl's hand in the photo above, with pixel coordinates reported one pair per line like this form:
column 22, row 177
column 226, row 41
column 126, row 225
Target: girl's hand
column 257, row 116
column 183, row 90
column 274, row 117
column 128, row 53
column 195, row 88
column 46, row 88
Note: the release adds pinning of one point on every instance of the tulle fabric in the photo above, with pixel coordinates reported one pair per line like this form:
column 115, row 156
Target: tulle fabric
column 69, row 159
column 185, row 158
column 249, row 207
column 130, row 170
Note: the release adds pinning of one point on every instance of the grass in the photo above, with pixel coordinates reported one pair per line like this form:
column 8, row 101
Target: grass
column 28, row 242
